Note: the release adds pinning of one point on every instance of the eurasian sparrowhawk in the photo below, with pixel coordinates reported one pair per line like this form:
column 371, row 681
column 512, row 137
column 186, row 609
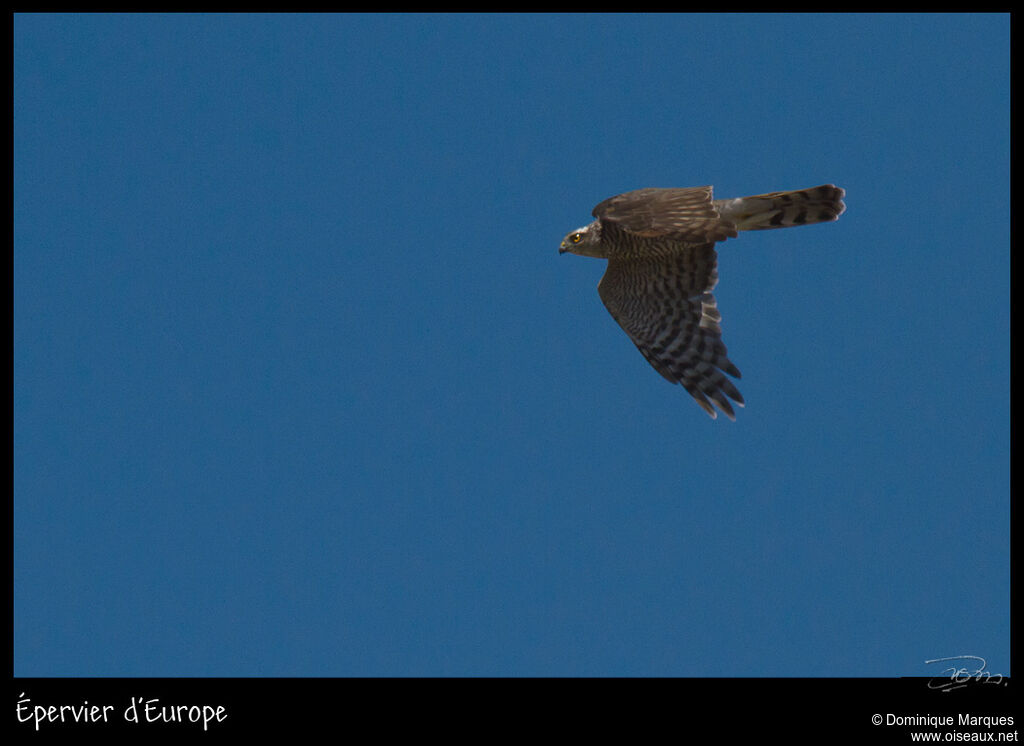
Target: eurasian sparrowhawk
column 662, row 267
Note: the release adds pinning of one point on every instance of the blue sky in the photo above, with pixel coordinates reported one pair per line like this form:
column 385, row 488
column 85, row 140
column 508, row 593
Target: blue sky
column 302, row 386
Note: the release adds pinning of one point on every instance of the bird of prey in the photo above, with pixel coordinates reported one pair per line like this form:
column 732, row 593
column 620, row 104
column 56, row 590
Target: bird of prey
column 662, row 267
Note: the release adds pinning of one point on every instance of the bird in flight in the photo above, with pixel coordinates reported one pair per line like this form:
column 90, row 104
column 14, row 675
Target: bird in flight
column 662, row 267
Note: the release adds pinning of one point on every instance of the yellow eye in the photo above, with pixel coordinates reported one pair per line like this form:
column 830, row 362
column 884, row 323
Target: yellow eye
column 575, row 238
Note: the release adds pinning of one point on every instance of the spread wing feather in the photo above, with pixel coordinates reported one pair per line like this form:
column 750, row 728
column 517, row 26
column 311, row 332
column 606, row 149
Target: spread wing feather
column 666, row 307
column 688, row 215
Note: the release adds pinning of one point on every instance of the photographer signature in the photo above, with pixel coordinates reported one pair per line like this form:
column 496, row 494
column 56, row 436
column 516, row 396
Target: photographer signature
column 961, row 676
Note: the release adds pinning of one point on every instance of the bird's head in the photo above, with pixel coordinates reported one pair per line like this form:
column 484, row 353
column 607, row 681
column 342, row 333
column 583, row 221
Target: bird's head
column 583, row 241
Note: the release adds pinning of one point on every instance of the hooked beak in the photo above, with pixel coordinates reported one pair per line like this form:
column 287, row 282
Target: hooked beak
column 562, row 249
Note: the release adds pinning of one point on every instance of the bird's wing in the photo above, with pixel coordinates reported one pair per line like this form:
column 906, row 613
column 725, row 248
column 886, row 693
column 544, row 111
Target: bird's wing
column 688, row 215
column 666, row 307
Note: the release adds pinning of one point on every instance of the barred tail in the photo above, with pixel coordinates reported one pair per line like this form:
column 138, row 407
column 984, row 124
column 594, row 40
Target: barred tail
column 821, row 204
